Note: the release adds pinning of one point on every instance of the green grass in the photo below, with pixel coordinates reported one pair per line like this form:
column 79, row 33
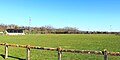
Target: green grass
column 68, row 41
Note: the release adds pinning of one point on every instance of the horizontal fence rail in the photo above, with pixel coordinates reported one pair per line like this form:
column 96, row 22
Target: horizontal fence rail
column 60, row 50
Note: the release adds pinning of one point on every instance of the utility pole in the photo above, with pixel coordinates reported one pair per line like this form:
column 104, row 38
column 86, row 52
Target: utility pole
column 110, row 28
column 29, row 25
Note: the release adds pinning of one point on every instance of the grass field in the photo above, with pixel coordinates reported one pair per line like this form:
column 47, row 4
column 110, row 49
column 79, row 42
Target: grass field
column 68, row 41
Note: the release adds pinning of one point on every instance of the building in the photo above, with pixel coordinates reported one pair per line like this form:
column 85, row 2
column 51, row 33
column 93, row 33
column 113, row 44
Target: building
column 14, row 32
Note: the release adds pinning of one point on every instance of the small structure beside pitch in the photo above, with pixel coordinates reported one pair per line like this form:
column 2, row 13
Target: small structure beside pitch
column 14, row 32
column 1, row 33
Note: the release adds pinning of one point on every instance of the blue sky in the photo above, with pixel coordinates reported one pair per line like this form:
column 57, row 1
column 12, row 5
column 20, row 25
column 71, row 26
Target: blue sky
column 93, row 15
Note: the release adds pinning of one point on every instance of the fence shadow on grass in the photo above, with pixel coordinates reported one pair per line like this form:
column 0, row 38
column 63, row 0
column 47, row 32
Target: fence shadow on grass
column 12, row 57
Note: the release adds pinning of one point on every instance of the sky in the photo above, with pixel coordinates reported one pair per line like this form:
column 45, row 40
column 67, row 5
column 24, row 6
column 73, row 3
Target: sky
column 91, row 15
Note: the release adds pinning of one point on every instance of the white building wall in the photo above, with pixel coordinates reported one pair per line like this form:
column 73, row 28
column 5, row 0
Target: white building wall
column 14, row 33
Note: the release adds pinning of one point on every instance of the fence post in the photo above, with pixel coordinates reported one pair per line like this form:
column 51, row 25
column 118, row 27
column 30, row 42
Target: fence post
column 6, row 50
column 59, row 53
column 105, row 54
column 27, row 52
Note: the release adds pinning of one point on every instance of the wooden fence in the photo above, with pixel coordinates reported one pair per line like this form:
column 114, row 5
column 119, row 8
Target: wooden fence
column 60, row 50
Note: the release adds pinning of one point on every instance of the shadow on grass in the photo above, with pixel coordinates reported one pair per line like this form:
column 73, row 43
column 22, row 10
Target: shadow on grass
column 12, row 57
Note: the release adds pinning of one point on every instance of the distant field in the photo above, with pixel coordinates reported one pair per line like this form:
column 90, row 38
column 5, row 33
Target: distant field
column 68, row 41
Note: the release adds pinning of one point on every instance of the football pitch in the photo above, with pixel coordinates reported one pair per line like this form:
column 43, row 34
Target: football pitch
column 97, row 42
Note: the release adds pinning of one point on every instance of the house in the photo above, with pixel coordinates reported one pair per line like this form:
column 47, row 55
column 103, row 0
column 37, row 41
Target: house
column 14, row 32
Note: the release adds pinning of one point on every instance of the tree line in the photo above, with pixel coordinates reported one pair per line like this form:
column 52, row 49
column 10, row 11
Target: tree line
column 41, row 30
column 51, row 30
